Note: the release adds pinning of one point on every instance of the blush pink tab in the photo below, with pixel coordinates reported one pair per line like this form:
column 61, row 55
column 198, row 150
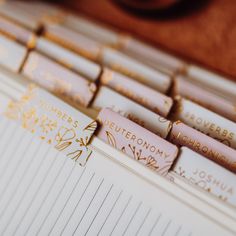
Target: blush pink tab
column 205, row 98
column 137, row 142
column 17, row 32
column 184, row 135
column 73, row 40
column 58, row 79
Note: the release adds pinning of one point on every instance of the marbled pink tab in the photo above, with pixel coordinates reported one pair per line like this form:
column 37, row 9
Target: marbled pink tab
column 58, row 79
column 184, row 135
column 137, row 142
column 144, row 95
column 17, row 32
column 73, row 40
column 205, row 98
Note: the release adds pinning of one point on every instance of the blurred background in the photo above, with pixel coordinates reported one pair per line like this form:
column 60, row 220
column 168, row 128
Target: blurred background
column 200, row 31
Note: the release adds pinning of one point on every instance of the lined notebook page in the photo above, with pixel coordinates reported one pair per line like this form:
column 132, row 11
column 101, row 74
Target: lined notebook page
column 42, row 192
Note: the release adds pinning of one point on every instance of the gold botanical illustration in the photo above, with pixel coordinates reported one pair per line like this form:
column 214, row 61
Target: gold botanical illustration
column 91, row 127
column 47, row 124
column 30, row 119
column 64, row 138
column 111, row 139
column 151, row 163
column 132, row 151
column 73, row 141
column 75, row 155
column 136, row 154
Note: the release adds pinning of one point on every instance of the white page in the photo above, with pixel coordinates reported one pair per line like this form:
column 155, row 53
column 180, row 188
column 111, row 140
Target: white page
column 43, row 192
column 48, row 194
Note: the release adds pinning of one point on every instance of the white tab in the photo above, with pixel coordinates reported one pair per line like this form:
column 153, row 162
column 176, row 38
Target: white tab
column 207, row 175
column 92, row 29
column 130, row 67
column 12, row 54
column 207, row 122
column 10, row 10
column 106, row 98
column 153, row 55
column 216, row 83
column 72, row 60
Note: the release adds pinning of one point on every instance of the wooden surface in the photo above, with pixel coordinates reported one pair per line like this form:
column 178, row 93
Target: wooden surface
column 206, row 37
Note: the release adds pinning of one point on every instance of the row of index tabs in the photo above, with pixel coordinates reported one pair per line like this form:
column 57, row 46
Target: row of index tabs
column 143, row 104
column 93, row 40
column 127, row 86
column 151, row 150
column 146, row 96
column 161, row 155
column 116, row 80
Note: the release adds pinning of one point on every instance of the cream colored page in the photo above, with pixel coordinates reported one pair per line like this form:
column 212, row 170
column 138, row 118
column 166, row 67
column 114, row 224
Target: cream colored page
column 42, row 192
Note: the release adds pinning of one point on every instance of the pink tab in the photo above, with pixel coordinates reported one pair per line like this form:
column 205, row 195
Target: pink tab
column 17, row 32
column 74, row 41
column 205, row 98
column 58, row 79
column 184, row 135
column 137, row 142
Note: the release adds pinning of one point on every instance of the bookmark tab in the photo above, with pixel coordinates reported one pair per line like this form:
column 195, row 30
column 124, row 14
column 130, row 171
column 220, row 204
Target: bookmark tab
column 144, row 95
column 207, row 175
column 58, row 79
column 206, row 121
column 209, row 100
column 11, row 11
column 135, row 69
column 184, row 135
column 73, row 41
column 71, row 60
column 137, row 142
column 17, row 33
column 216, row 83
column 153, row 56
column 106, row 98
column 12, row 54
column 93, row 30
column 31, row 15
column 55, row 122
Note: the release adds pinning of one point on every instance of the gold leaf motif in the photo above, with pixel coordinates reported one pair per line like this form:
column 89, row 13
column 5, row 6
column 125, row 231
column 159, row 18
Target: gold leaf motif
column 136, row 154
column 91, row 127
column 62, row 146
column 47, row 124
column 29, row 119
column 111, row 139
column 75, row 155
column 64, row 138
column 151, row 163
column 83, row 142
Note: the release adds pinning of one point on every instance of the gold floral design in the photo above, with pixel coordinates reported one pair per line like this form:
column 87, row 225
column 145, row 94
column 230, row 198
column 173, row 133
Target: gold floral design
column 136, row 154
column 30, row 119
column 62, row 135
column 75, row 155
column 151, row 163
column 111, row 139
column 47, row 124
column 91, row 127
column 64, row 138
